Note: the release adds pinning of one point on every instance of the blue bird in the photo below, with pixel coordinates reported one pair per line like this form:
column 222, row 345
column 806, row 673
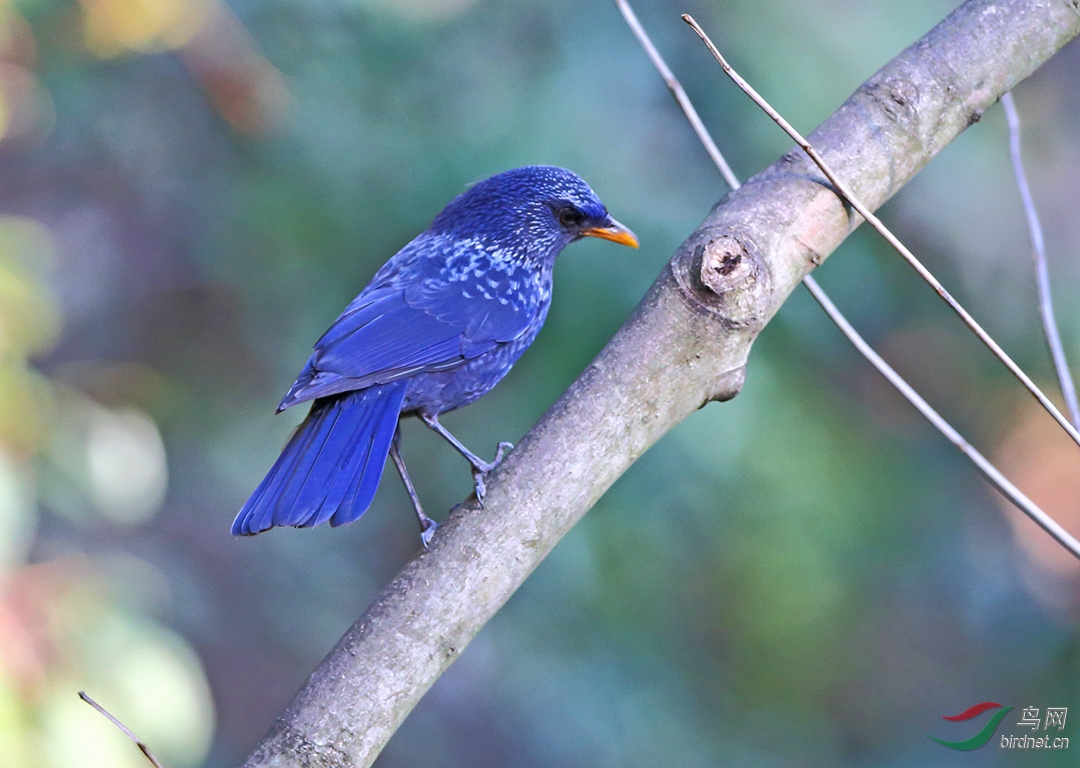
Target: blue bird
column 437, row 327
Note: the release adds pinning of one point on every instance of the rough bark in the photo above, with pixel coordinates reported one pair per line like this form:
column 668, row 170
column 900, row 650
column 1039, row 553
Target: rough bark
column 686, row 344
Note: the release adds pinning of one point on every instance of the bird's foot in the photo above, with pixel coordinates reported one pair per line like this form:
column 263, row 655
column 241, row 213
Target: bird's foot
column 427, row 530
column 504, row 446
column 481, row 489
column 481, row 470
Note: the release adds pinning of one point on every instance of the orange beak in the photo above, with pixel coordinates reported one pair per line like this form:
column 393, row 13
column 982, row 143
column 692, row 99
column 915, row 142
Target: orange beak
column 613, row 231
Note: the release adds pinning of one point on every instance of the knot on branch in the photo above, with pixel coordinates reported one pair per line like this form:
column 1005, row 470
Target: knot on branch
column 726, row 276
column 898, row 97
column 723, row 267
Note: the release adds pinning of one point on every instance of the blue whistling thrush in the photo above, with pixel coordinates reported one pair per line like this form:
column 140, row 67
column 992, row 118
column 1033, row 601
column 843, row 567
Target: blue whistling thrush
column 437, row 327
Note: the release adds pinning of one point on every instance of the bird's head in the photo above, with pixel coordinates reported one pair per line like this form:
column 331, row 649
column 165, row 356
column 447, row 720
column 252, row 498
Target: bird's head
column 531, row 213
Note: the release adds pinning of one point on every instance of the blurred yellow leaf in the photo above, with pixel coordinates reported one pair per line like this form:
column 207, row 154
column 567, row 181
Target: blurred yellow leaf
column 113, row 27
column 29, row 316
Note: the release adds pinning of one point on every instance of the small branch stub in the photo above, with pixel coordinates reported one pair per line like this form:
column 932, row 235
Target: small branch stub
column 726, row 276
column 723, row 266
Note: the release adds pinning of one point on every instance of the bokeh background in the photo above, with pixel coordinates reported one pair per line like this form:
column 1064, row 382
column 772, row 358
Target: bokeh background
column 191, row 190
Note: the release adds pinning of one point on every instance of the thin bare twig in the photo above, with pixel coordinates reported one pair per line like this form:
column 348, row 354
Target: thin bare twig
column 680, row 95
column 998, row 480
column 123, row 729
column 1042, row 274
column 992, row 474
column 846, row 193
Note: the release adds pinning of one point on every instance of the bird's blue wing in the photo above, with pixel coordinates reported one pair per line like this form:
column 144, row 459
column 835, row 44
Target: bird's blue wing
column 427, row 318
column 488, row 305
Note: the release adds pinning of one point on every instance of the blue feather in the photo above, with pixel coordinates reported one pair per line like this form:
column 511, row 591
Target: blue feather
column 331, row 466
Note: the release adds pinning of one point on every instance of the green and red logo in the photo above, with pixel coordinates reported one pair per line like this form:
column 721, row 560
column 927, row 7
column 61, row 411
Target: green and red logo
column 983, row 736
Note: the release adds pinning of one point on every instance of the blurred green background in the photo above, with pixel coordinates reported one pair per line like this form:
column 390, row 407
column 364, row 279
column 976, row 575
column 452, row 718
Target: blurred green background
column 808, row 575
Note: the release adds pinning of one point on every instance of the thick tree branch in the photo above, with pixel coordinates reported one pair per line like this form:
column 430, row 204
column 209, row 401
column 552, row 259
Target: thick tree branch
column 686, row 344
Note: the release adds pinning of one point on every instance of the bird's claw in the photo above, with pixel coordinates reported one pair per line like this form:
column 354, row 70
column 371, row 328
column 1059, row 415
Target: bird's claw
column 504, row 446
column 484, row 467
column 478, row 483
column 481, row 471
column 427, row 530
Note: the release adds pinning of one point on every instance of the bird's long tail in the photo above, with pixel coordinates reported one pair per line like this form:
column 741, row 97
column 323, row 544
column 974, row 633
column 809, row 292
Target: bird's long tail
column 331, row 467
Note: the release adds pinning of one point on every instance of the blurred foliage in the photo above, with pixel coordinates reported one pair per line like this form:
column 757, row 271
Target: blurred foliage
column 191, row 191
column 64, row 628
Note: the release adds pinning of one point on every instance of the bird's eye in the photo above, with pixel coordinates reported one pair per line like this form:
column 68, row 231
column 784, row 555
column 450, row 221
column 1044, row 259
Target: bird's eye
column 570, row 216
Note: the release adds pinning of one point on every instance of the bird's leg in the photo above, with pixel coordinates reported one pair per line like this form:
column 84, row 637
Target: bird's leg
column 427, row 525
column 480, row 467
